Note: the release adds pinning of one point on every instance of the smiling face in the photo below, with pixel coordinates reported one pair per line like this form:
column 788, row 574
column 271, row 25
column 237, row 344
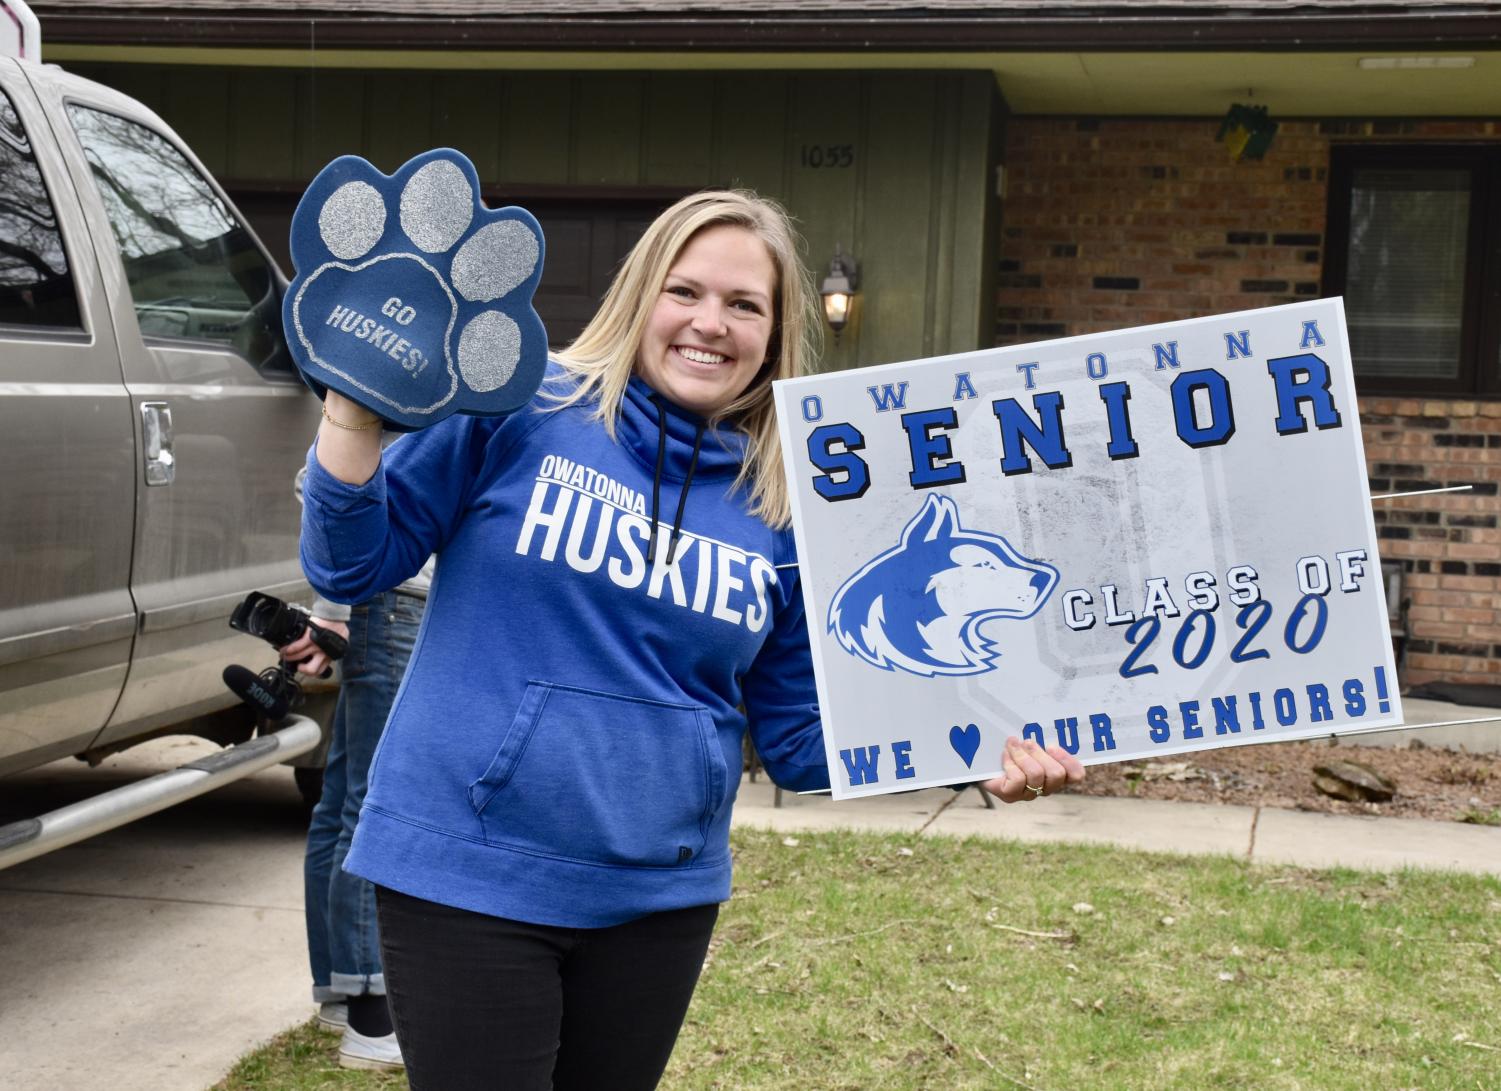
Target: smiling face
column 709, row 329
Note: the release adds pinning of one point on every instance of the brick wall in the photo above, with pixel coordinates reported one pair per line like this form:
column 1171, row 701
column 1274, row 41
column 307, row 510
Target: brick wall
column 1449, row 544
column 1115, row 223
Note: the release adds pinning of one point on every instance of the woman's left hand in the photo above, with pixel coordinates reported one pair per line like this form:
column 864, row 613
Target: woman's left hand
column 1032, row 771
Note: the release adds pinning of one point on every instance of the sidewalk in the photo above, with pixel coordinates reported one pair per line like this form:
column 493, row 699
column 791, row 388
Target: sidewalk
column 1267, row 835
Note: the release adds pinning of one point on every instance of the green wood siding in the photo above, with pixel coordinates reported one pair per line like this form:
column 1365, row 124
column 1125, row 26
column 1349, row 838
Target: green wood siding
column 677, row 108
column 901, row 202
column 472, row 104
column 536, row 142
column 895, row 167
column 261, row 125
column 398, row 117
column 200, row 102
column 330, row 120
column 607, row 130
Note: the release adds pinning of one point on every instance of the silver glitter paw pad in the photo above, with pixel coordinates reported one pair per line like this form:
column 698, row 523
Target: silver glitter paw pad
column 411, row 297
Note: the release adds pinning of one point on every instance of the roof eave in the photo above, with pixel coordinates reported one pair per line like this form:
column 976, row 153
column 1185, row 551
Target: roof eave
column 780, row 33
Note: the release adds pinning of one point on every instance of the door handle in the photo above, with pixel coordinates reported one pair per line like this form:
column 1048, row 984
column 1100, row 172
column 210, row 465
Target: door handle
column 156, row 429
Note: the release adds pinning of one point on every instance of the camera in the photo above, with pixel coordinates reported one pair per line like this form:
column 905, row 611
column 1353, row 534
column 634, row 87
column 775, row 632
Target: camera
column 279, row 623
column 274, row 691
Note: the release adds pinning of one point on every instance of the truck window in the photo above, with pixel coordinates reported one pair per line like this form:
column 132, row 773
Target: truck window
column 194, row 272
column 36, row 287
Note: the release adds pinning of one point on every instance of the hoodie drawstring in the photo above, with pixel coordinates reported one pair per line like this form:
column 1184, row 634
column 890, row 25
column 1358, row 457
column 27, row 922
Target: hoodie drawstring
column 656, row 485
column 656, row 479
column 677, row 520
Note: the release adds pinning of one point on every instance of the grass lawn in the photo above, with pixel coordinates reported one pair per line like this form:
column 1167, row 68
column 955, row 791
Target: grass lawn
column 861, row 961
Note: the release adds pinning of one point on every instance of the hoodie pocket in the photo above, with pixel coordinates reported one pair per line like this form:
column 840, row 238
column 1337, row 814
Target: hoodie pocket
column 603, row 779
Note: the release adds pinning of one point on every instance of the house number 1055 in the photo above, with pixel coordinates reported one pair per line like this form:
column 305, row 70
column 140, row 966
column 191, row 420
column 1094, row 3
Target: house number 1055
column 828, row 155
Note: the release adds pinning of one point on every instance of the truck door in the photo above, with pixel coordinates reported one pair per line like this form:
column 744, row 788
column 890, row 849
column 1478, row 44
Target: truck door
column 224, row 418
column 67, row 459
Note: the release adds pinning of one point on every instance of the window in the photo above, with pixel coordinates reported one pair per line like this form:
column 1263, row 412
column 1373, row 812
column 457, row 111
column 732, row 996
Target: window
column 1415, row 249
column 194, row 272
column 36, row 288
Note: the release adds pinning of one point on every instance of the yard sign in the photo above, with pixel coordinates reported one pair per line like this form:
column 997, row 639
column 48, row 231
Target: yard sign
column 1129, row 544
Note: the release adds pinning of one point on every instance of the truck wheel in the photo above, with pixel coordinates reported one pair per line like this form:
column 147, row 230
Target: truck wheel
column 309, row 785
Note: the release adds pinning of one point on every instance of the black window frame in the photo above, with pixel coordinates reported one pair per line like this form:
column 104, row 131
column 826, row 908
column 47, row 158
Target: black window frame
column 50, row 331
column 1479, row 373
column 278, row 364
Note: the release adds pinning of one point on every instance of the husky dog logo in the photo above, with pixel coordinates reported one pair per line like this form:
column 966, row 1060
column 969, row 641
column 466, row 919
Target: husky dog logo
column 920, row 607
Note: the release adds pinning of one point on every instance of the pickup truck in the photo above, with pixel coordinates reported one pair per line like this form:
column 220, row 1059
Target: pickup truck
column 151, row 424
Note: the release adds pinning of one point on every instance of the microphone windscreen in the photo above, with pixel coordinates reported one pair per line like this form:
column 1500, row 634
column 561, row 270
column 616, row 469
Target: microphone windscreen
column 248, row 687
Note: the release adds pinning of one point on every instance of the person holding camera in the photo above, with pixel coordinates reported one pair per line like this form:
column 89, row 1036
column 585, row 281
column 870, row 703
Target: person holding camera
column 342, row 934
column 616, row 603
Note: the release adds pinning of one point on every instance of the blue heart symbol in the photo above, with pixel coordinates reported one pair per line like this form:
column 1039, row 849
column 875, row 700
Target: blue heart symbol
column 966, row 742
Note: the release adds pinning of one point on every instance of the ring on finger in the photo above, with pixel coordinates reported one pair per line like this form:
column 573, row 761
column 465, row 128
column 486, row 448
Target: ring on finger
column 1034, row 790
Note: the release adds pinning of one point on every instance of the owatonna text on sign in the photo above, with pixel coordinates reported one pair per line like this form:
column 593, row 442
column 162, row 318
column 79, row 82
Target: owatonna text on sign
column 1134, row 543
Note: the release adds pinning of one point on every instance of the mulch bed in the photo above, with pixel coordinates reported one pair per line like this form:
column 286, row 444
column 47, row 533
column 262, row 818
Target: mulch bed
column 1432, row 783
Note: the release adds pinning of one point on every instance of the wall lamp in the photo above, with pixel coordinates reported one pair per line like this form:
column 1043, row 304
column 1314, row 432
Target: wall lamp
column 838, row 290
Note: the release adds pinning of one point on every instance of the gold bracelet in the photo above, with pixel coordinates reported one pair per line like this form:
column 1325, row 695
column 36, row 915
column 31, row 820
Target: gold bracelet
column 349, row 427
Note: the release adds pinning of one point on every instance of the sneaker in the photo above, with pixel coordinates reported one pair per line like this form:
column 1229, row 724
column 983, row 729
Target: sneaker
column 333, row 1015
column 378, row 1054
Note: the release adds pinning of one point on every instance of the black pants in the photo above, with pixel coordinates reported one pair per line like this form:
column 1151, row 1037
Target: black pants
column 484, row 1002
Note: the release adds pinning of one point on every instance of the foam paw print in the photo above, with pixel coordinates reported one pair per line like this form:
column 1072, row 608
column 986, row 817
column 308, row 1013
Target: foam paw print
column 411, row 297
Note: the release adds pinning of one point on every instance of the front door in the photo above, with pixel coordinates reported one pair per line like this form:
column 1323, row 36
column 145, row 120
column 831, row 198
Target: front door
column 586, row 240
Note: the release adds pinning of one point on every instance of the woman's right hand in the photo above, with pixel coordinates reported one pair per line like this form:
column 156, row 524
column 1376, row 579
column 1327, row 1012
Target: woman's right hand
column 348, row 440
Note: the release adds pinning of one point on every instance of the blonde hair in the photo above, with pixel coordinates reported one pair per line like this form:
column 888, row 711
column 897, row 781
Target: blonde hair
column 603, row 357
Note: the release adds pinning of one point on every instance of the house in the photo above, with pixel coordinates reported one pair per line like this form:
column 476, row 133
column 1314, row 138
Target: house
column 1002, row 171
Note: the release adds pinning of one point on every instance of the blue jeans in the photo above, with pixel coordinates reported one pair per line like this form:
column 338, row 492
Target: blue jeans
column 342, row 938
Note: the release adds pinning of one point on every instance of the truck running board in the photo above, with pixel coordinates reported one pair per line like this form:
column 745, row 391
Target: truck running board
column 20, row 841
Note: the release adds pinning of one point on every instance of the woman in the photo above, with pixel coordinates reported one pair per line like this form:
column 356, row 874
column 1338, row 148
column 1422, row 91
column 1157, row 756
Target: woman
column 548, row 819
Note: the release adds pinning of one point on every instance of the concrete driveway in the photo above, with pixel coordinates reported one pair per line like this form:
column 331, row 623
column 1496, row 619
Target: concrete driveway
column 151, row 957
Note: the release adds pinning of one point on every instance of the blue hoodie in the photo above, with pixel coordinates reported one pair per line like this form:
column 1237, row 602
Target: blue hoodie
column 566, row 746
